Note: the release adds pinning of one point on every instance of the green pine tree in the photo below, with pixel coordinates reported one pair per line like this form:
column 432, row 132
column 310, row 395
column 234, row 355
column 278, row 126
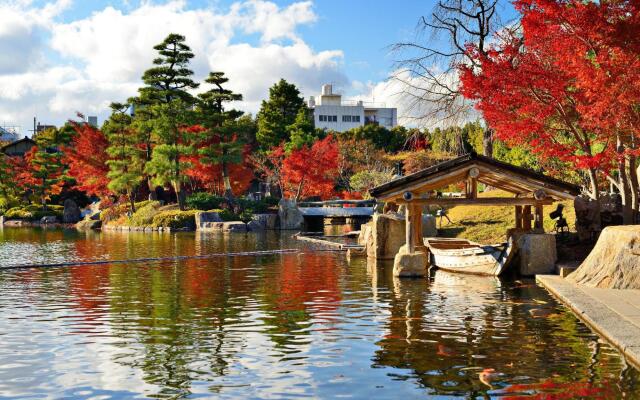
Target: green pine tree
column 126, row 160
column 223, row 145
column 278, row 113
column 302, row 132
column 166, row 97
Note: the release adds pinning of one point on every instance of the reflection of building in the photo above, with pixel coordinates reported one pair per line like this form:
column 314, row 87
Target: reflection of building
column 18, row 147
column 331, row 113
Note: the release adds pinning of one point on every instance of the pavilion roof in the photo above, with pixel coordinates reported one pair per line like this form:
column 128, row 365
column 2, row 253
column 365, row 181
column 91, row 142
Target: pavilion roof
column 522, row 182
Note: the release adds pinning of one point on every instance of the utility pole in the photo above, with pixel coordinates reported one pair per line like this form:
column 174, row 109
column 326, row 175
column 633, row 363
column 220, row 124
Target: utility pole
column 34, row 128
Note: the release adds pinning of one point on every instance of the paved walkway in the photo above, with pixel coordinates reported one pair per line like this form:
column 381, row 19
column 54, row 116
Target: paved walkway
column 613, row 313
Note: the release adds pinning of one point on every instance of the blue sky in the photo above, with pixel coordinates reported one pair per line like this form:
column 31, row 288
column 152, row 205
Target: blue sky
column 62, row 56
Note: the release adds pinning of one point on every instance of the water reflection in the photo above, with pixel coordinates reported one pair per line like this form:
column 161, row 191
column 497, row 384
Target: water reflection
column 306, row 324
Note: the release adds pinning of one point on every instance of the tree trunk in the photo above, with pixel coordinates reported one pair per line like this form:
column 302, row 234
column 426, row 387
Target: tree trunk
column 132, row 201
column 487, row 142
column 624, row 184
column 635, row 188
column 180, row 196
column 593, row 183
column 228, row 192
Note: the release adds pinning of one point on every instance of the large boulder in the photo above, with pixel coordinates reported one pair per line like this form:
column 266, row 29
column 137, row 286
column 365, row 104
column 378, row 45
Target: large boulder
column 385, row 236
column 88, row 224
column 614, row 262
column 407, row 264
column 206, row 219
column 71, row 213
column 537, row 253
column 49, row 219
column 262, row 222
column 290, row 216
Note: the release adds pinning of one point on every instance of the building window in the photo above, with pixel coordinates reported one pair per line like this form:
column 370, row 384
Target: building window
column 355, row 118
column 322, row 118
column 346, row 118
column 334, row 118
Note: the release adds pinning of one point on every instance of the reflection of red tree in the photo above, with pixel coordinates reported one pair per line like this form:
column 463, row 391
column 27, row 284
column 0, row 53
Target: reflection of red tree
column 88, row 283
column 311, row 280
column 550, row 390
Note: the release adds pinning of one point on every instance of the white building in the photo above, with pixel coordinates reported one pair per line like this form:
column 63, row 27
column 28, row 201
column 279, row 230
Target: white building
column 331, row 113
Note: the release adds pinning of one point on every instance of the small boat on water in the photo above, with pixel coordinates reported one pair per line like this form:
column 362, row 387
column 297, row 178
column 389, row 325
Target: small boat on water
column 464, row 256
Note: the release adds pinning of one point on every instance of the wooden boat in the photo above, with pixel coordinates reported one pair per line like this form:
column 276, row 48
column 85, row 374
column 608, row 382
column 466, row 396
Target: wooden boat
column 464, row 256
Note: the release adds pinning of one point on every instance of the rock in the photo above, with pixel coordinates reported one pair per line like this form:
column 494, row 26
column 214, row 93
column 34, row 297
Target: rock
column 290, row 217
column 88, row 224
column 407, row 264
column 614, row 261
column 49, row 219
column 234, row 227
column 231, row 227
column 262, row 222
column 429, row 228
column 15, row 222
column 537, row 253
column 385, row 236
column 71, row 214
column 365, row 231
column 205, row 219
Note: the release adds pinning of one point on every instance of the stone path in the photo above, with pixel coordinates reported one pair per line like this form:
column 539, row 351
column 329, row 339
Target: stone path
column 613, row 313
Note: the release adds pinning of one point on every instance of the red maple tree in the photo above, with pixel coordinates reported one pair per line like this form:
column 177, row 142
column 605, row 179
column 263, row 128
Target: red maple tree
column 87, row 159
column 566, row 86
column 311, row 171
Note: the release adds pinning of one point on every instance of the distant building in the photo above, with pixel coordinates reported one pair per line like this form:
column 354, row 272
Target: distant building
column 331, row 113
column 41, row 128
column 18, row 148
column 93, row 121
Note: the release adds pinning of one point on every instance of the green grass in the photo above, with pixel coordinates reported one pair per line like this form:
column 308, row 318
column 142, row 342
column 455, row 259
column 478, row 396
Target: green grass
column 489, row 224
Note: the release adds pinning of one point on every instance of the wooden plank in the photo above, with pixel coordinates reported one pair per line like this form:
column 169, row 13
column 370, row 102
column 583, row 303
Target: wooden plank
column 480, row 201
column 529, row 183
column 410, row 228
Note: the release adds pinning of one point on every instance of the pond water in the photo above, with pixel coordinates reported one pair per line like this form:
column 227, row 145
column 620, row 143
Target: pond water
column 309, row 324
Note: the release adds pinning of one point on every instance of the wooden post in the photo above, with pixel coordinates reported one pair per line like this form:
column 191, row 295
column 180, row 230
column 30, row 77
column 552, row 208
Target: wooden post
column 472, row 183
column 409, row 229
column 519, row 217
column 526, row 218
column 416, row 215
column 539, row 222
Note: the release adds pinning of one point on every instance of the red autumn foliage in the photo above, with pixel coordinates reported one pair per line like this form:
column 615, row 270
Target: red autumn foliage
column 209, row 176
column 311, row 171
column 32, row 170
column 568, row 86
column 86, row 158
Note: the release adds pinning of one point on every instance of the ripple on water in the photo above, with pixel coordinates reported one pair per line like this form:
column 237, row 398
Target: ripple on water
column 306, row 325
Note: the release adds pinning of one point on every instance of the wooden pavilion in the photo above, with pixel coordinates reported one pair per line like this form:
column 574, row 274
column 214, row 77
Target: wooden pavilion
column 531, row 191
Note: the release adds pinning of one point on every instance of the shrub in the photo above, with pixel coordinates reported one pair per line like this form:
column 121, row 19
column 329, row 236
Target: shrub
column 175, row 219
column 204, row 201
column 34, row 212
column 118, row 210
column 144, row 215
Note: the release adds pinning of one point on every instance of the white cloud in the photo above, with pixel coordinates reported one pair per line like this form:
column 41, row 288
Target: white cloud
column 56, row 68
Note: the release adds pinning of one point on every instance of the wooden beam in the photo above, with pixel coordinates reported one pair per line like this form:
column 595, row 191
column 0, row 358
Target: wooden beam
column 480, row 201
column 409, row 228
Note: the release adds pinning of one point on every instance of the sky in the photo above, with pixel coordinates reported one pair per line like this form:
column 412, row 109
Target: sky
column 59, row 57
